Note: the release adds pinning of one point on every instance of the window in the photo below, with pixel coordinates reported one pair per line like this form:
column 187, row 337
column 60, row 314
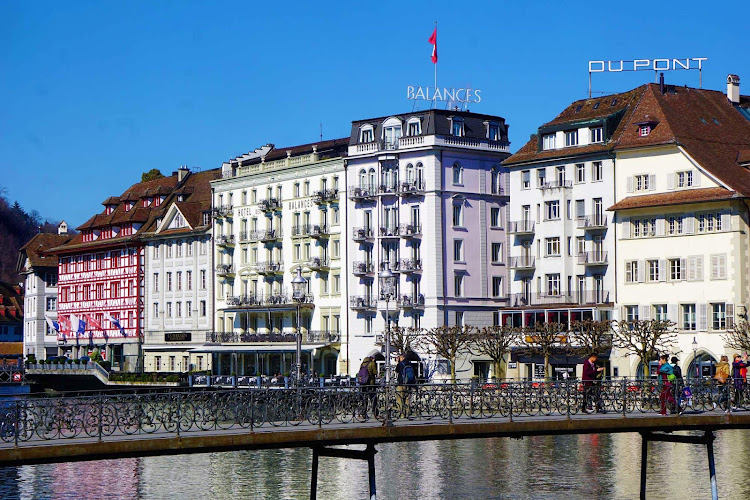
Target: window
column 580, row 245
column 597, row 134
column 497, row 253
column 553, row 247
column 644, row 130
column 179, row 248
column 157, row 359
column 631, row 313
column 643, row 228
column 719, row 266
column 366, row 134
column 336, row 217
column 51, row 304
column 548, row 141
column 674, row 224
column 458, row 174
column 493, row 131
column 685, row 179
column 660, row 312
column 553, row 284
column 596, row 171
column 458, row 216
column 709, row 222
column 497, row 286
column 580, row 173
column 631, row 271
column 526, row 179
column 203, row 279
column 156, row 251
column 718, row 316
column 459, row 318
column 552, row 210
column 189, row 280
column 457, row 127
column 458, row 250
column 336, row 284
column 156, row 309
column 169, row 309
column 169, row 250
column 169, row 282
column 335, row 249
column 203, row 308
column 688, row 317
column 179, row 309
column 571, row 138
column 414, row 127
column 653, row 270
column 179, row 280
column 676, row 270
column 541, row 175
column 458, row 285
column 642, row 182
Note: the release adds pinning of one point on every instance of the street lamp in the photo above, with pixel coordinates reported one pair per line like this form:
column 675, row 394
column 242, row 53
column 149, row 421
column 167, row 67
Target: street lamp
column 695, row 359
column 387, row 290
column 299, row 287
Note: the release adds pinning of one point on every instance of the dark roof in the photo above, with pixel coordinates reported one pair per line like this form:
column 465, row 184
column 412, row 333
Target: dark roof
column 197, row 192
column 34, row 249
column 582, row 112
column 333, row 148
column 11, row 302
column 435, row 122
column 681, row 197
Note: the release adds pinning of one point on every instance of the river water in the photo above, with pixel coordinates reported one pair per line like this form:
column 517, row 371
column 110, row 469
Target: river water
column 572, row 467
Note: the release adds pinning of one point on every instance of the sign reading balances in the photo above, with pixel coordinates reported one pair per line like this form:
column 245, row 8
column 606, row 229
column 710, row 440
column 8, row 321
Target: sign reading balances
column 646, row 64
column 445, row 94
column 177, row 336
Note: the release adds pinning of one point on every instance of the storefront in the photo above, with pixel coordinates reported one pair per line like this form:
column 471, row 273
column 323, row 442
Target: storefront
column 252, row 360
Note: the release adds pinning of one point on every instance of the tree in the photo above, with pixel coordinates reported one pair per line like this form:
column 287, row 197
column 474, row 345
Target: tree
column 589, row 336
column 448, row 342
column 404, row 339
column 495, row 342
column 645, row 339
column 738, row 337
column 151, row 175
column 543, row 339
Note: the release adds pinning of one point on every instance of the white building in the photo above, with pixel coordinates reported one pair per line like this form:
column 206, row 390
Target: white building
column 278, row 210
column 40, row 292
column 179, row 305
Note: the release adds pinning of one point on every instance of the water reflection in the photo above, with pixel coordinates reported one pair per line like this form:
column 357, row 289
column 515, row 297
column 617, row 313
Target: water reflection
column 587, row 466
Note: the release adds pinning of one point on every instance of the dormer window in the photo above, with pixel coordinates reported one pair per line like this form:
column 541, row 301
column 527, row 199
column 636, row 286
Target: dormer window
column 457, row 127
column 180, row 197
column 366, row 134
column 571, row 138
column 548, row 141
column 644, row 130
column 147, row 201
column 206, row 218
column 493, row 131
column 128, row 206
column 391, row 132
column 597, row 134
column 158, row 200
column 413, row 127
column 109, row 209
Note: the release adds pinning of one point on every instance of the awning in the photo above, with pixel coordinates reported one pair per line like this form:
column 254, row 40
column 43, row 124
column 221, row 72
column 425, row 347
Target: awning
column 255, row 348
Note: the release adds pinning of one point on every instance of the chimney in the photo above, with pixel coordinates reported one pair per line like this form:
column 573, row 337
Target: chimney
column 62, row 228
column 182, row 172
column 733, row 89
column 661, row 82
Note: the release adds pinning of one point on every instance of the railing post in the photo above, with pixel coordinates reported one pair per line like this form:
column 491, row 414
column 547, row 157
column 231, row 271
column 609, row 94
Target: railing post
column 17, row 422
column 450, row 403
column 624, row 397
column 567, row 398
column 179, row 402
column 101, row 414
column 252, row 411
column 320, row 417
column 510, row 403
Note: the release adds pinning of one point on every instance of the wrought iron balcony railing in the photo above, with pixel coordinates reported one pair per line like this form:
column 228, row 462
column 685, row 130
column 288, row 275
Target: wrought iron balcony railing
column 388, row 232
column 596, row 221
column 410, row 230
column 270, row 204
column 325, row 196
column 522, row 262
column 410, row 265
column 521, row 227
column 579, row 297
column 361, row 233
column 225, row 239
column 411, row 188
column 221, row 211
column 362, row 192
column 410, row 301
column 316, row 263
column 593, row 258
column 360, row 268
column 224, row 269
column 362, row 302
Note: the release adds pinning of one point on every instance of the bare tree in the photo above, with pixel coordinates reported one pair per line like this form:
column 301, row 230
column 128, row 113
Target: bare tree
column 544, row 339
column 738, row 337
column 495, row 342
column 448, row 342
column 405, row 339
column 645, row 339
column 589, row 336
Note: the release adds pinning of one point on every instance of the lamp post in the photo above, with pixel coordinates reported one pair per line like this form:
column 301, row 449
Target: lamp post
column 387, row 289
column 299, row 285
column 695, row 359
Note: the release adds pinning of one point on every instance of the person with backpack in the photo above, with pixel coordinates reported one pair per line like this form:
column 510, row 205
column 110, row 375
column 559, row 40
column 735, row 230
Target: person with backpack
column 366, row 377
column 739, row 363
column 666, row 379
column 679, row 384
column 405, row 378
column 722, row 376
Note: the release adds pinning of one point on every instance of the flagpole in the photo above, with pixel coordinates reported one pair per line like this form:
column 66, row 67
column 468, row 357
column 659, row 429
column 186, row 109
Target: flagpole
column 434, row 94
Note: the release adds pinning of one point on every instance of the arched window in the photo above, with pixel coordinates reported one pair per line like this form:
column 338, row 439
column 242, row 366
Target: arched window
column 391, row 132
column 371, row 178
column 497, row 187
column 419, row 178
column 704, row 365
column 458, row 173
column 457, row 127
column 413, row 126
column 362, row 178
column 409, row 173
column 366, row 134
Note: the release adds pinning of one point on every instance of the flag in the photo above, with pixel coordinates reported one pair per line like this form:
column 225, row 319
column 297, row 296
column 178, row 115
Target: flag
column 116, row 323
column 94, row 324
column 77, row 325
column 433, row 41
column 53, row 325
column 64, row 325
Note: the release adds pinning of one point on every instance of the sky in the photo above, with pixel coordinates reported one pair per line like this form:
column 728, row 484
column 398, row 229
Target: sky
column 92, row 94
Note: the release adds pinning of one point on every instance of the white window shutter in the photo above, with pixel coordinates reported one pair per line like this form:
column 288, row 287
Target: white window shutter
column 730, row 315
column 699, row 268
column 630, row 184
column 662, row 270
column 683, row 267
column 660, row 226
column 714, row 267
column 702, row 317
column 722, row 265
column 645, row 312
column 651, row 182
column 672, row 313
column 626, row 227
column 691, row 268
column 696, row 178
column 689, row 223
column 670, row 180
column 725, row 221
column 641, row 271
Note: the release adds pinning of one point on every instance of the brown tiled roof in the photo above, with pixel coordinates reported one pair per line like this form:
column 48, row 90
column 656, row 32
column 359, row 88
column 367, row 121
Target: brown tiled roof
column 703, row 122
column 624, row 101
column 40, row 243
column 681, row 197
column 10, row 301
column 197, row 192
column 743, row 156
column 326, row 149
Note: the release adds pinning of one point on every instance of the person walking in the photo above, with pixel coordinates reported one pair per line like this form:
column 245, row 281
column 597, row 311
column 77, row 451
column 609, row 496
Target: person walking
column 738, row 381
column 405, row 379
column 666, row 377
column 366, row 377
column 679, row 385
column 721, row 377
column 591, row 379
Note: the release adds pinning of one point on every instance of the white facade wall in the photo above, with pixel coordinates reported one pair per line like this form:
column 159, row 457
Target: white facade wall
column 40, row 300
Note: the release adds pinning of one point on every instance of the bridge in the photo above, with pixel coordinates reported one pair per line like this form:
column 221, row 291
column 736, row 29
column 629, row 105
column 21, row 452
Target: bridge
column 70, row 428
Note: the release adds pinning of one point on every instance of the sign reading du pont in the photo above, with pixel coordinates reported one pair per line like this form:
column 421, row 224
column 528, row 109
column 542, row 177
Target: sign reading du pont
column 646, row 64
column 444, row 94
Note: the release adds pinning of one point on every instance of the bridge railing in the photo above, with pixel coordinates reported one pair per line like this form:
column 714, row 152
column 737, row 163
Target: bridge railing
column 163, row 413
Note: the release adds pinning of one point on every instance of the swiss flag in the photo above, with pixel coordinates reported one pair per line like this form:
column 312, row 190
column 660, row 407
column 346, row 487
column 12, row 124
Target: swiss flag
column 433, row 41
column 93, row 323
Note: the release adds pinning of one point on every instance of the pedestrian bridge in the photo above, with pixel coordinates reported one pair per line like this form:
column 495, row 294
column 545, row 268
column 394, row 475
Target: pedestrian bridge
column 63, row 429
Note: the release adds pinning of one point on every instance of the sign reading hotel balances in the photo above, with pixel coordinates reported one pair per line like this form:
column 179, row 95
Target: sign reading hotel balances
column 646, row 64
column 444, row 94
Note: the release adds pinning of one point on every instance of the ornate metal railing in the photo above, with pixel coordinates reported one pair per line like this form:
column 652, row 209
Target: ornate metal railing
column 319, row 402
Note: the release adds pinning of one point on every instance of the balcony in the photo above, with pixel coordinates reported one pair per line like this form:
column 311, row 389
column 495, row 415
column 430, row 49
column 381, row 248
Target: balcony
column 598, row 221
column 419, row 141
column 362, row 193
column 309, row 336
column 560, row 184
column 225, row 240
column 279, row 299
column 269, row 235
column 410, row 265
column 318, row 263
column 410, row 301
column 410, row 230
column 361, row 233
column 319, row 231
column 221, row 211
column 411, row 188
column 224, row 269
column 580, row 297
column 244, row 236
column 321, row 336
column 394, row 266
column 388, row 232
column 521, row 227
column 595, row 258
column 270, row 204
column 389, row 188
column 522, row 262
column 362, row 268
column 269, row 267
column 362, row 302
column 325, row 196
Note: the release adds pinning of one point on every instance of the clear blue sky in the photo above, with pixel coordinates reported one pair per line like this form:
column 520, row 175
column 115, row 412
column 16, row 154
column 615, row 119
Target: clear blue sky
column 94, row 93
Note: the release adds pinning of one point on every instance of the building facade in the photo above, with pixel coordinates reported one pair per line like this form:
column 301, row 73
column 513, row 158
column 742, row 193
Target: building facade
column 278, row 211
column 179, row 301
column 40, row 292
column 427, row 199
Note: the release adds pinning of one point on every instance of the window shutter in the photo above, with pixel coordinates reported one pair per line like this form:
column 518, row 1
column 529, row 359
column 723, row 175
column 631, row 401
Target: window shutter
column 702, row 317
column 722, row 265
column 725, row 221
column 670, row 181
column 683, row 267
column 672, row 314
column 662, row 270
column 630, row 184
column 696, row 178
column 641, row 271
column 698, row 268
column 626, row 227
column 660, row 226
column 645, row 312
column 651, row 182
column 689, row 223
column 730, row 315
column 714, row 267
column 691, row 268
